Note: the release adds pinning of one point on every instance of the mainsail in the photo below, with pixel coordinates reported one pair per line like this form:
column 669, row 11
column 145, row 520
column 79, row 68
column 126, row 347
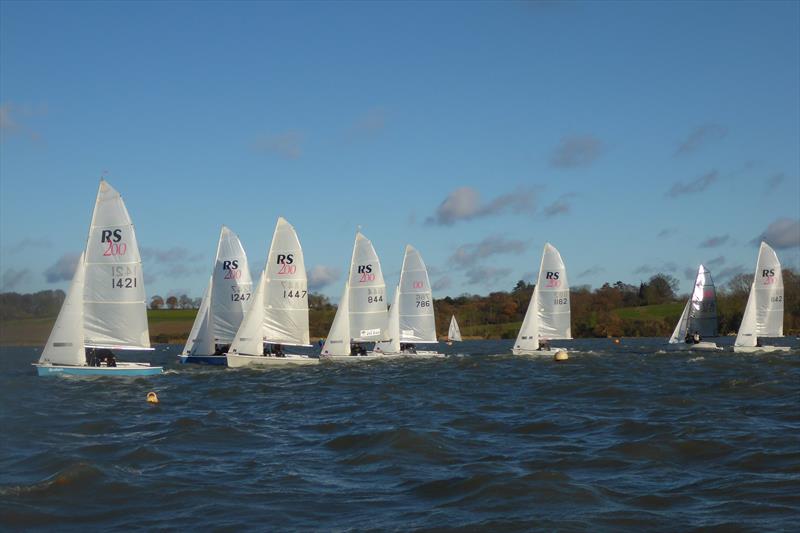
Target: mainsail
column 279, row 310
column 700, row 313
column 65, row 344
column 286, row 297
column 453, row 332
column 231, row 288
column 114, row 308
column 415, row 310
column 763, row 315
column 548, row 315
column 367, row 294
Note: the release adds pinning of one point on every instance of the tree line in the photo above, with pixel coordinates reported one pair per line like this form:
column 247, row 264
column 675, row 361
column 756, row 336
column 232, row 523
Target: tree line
column 617, row 309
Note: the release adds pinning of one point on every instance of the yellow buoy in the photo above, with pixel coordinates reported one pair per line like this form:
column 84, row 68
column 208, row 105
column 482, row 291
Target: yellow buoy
column 616, row 341
column 152, row 397
column 561, row 355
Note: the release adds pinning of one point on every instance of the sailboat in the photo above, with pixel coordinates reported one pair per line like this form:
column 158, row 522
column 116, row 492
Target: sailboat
column 222, row 309
column 548, row 315
column 699, row 315
column 278, row 314
column 763, row 315
column 362, row 315
column 453, row 332
column 105, row 306
column 411, row 317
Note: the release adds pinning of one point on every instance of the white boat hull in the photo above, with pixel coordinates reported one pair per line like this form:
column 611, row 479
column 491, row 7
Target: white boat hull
column 374, row 356
column 760, row 349
column 551, row 352
column 240, row 361
column 703, row 345
column 122, row 369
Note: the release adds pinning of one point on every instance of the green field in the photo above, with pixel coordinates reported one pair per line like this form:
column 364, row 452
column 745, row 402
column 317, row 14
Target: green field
column 658, row 312
column 173, row 325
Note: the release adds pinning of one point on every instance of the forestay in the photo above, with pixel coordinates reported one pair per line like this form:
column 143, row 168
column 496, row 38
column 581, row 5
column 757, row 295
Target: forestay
column 416, row 315
column 114, row 308
column 367, row 296
column 763, row 316
column 231, row 288
column 65, row 345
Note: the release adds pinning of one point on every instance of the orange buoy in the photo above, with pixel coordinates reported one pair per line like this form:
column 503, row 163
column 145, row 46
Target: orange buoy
column 152, row 397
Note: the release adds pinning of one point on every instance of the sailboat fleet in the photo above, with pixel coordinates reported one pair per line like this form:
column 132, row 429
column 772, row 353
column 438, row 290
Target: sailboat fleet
column 241, row 326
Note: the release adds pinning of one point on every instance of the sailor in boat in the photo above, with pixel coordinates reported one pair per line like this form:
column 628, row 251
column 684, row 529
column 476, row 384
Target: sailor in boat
column 100, row 357
column 758, row 342
column 544, row 344
column 696, row 337
column 357, row 349
column 221, row 349
column 277, row 350
column 408, row 348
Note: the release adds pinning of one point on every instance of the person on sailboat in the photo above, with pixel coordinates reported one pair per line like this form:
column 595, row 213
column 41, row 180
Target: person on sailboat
column 696, row 337
column 688, row 339
column 544, row 344
column 277, row 350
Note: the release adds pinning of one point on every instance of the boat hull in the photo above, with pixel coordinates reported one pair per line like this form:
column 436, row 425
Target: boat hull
column 551, row 352
column 375, row 356
column 241, row 361
column 121, row 370
column 703, row 345
column 213, row 360
column 760, row 349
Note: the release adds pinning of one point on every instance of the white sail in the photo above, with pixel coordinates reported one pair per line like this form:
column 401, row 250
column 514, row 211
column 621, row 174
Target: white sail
column 338, row 341
column 417, row 320
column 200, row 340
column 392, row 346
column 114, row 309
column 249, row 339
column 367, row 297
column 700, row 312
column 231, row 288
column 703, row 313
column 552, row 291
column 679, row 333
column 453, row 332
column 528, row 336
column 286, row 296
column 65, row 343
column 763, row 316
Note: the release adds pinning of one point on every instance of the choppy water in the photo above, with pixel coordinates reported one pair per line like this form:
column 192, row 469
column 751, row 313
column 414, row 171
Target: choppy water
column 618, row 437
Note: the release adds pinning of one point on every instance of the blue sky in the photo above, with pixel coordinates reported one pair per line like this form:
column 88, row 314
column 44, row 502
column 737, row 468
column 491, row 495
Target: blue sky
column 636, row 137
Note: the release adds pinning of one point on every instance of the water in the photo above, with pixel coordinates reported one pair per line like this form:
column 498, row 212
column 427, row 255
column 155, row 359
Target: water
column 618, row 437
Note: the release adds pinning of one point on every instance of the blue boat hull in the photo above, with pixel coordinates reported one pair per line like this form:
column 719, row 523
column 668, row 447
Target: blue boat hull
column 131, row 370
column 214, row 360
